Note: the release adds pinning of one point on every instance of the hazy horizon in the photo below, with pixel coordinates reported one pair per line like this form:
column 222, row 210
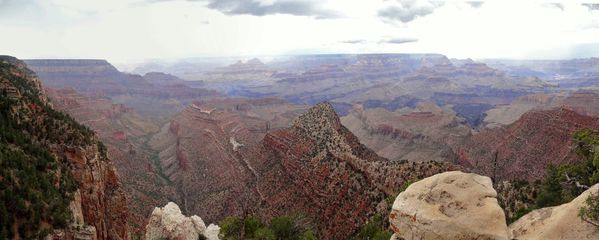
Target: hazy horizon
column 121, row 31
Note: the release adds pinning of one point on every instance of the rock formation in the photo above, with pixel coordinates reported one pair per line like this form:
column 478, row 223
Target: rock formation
column 124, row 132
column 522, row 150
column 239, row 71
column 561, row 222
column 237, row 156
column 421, row 133
column 456, row 205
column 252, row 66
column 568, row 73
column 169, row 223
column 202, row 151
column 319, row 168
column 83, row 174
column 450, row 205
column 582, row 102
column 98, row 78
column 163, row 79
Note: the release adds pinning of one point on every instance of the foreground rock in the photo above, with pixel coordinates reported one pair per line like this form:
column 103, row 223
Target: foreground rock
column 169, row 223
column 450, row 205
column 561, row 222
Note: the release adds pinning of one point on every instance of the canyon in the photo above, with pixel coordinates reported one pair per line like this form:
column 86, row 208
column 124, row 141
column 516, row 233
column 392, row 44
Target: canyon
column 98, row 78
column 268, row 146
column 264, row 167
column 523, row 149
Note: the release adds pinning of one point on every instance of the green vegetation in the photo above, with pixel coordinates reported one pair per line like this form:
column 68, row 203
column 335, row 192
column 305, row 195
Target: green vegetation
column 551, row 189
column 374, row 230
column 590, row 212
column 292, row 227
column 588, row 147
column 37, row 185
column 564, row 183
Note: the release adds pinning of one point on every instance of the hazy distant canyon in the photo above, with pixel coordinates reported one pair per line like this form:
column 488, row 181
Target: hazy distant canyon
column 330, row 136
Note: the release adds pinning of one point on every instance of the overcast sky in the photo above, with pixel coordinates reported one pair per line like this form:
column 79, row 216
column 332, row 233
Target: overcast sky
column 126, row 30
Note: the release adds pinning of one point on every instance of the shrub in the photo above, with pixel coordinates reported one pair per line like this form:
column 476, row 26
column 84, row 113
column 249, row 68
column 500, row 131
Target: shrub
column 288, row 227
column 308, row 235
column 551, row 191
column 283, row 227
column 264, row 234
column 590, row 212
column 230, row 228
column 374, row 229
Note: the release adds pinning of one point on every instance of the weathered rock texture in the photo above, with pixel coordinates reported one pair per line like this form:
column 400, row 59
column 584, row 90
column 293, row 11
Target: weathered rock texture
column 203, row 152
column 238, row 156
column 99, row 201
column 319, row 168
column 582, row 102
column 421, row 133
column 125, row 133
column 553, row 223
column 456, row 205
column 450, row 205
column 522, row 150
column 169, row 223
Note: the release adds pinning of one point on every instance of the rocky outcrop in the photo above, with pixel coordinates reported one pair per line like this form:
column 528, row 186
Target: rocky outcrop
column 103, row 200
column 169, row 223
column 553, row 223
column 122, row 130
column 457, row 205
column 522, row 150
column 203, row 151
column 581, row 102
column 450, row 205
column 319, row 168
column 421, row 133
column 237, row 156
column 82, row 173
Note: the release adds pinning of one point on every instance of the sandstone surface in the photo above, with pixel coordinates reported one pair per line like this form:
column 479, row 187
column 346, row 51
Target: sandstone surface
column 561, row 222
column 449, row 205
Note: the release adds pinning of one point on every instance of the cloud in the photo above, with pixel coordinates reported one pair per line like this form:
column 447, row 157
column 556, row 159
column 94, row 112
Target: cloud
column 355, row 41
column 556, row 5
column 475, row 4
column 401, row 40
column 406, row 11
column 591, row 6
column 271, row 7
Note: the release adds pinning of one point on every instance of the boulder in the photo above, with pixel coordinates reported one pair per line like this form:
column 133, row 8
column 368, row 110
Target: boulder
column 169, row 223
column 212, row 232
column 560, row 222
column 450, row 205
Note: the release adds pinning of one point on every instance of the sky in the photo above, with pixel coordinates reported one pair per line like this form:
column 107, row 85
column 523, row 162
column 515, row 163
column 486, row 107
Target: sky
column 129, row 30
